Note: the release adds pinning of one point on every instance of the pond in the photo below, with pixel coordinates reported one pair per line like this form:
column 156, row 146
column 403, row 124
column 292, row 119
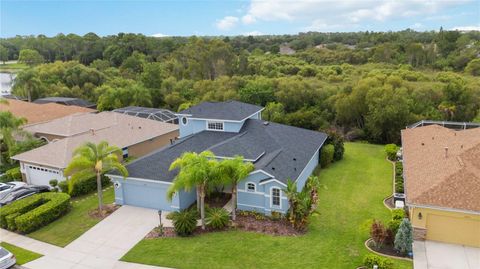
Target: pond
column 6, row 83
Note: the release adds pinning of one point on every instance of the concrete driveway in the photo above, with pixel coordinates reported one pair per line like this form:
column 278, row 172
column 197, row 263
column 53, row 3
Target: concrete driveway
column 104, row 244
column 436, row 255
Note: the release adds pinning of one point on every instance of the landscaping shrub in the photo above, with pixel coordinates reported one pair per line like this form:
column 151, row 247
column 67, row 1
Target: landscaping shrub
column 217, row 218
column 336, row 140
column 383, row 263
column 13, row 174
column 399, row 187
column 326, row 155
column 379, row 233
column 85, row 186
column 398, row 214
column 63, row 185
column 391, row 150
column 184, row 222
column 20, row 207
column 53, row 183
column 404, row 237
column 54, row 205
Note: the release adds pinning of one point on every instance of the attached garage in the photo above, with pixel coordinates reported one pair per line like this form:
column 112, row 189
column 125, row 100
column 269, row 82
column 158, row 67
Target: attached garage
column 40, row 175
column 149, row 194
column 452, row 229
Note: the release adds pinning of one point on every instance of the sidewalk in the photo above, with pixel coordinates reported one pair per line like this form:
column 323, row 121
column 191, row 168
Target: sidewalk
column 98, row 248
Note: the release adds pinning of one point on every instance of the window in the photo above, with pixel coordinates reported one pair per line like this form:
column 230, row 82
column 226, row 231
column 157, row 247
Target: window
column 275, row 197
column 184, row 121
column 251, row 187
column 215, row 125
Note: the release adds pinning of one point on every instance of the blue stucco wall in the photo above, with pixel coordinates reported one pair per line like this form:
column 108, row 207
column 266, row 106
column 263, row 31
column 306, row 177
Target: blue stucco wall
column 308, row 170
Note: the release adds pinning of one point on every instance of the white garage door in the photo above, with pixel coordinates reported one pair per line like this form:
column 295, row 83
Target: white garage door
column 41, row 176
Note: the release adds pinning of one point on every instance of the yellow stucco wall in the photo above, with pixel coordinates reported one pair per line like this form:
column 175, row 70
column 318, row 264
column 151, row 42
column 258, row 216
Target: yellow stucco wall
column 447, row 226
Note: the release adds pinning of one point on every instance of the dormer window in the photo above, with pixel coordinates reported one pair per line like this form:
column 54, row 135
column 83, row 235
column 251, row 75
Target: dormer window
column 215, row 125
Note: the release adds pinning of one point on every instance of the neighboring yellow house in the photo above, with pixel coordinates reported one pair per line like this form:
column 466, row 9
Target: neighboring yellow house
column 442, row 183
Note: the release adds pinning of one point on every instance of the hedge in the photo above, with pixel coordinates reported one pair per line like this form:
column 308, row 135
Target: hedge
column 31, row 213
column 391, row 150
column 383, row 263
column 13, row 174
column 20, row 206
column 85, row 186
column 326, row 155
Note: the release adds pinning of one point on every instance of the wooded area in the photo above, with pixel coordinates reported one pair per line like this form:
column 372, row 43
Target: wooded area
column 364, row 85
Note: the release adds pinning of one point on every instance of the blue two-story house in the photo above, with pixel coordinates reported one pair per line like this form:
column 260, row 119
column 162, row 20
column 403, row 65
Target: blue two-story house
column 278, row 152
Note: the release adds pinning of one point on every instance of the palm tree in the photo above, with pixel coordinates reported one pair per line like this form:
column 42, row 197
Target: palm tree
column 9, row 126
column 233, row 171
column 196, row 170
column 28, row 83
column 91, row 160
column 292, row 194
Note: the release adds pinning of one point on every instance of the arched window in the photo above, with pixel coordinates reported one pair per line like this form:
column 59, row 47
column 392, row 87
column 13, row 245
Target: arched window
column 251, row 187
column 275, row 197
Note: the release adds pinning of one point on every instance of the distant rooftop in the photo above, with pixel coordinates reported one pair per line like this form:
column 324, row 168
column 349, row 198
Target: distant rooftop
column 35, row 113
column 68, row 101
column 229, row 110
column 158, row 114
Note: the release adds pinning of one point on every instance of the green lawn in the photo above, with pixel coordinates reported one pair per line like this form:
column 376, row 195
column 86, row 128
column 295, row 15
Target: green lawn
column 69, row 227
column 12, row 67
column 353, row 194
column 23, row 256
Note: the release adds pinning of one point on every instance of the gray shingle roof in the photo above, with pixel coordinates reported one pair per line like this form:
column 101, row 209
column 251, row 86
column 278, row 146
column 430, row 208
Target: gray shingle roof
column 280, row 150
column 229, row 110
column 68, row 101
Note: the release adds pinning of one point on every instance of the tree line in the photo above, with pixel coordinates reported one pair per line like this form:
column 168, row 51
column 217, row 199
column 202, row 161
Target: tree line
column 362, row 85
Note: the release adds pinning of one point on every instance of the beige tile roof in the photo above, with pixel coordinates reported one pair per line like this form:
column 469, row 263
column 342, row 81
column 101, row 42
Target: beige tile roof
column 127, row 131
column 78, row 123
column 441, row 177
column 35, row 113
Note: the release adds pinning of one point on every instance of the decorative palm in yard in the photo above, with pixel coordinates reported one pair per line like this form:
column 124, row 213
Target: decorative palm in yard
column 92, row 160
column 195, row 170
column 9, row 126
column 232, row 171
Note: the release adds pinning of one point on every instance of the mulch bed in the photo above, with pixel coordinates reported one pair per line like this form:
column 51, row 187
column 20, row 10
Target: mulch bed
column 389, row 202
column 386, row 249
column 107, row 210
column 250, row 222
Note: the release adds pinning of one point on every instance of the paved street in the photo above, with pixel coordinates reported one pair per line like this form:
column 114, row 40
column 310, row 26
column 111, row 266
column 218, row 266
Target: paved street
column 436, row 255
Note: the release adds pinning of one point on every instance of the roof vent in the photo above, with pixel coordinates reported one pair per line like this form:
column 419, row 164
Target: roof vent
column 266, row 123
column 92, row 131
column 446, row 152
column 423, row 144
column 273, row 168
column 294, row 169
column 294, row 159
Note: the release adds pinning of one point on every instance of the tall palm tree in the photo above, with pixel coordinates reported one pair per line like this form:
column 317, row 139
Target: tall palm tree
column 27, row 84
column 232, row 172
column 195, row 170
column 91, row 160
column 9, row 126
column 292, row 195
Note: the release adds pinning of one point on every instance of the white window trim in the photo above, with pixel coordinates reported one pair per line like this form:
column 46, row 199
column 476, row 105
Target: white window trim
column 271, row 198
column 217, row 130
column 254, row 187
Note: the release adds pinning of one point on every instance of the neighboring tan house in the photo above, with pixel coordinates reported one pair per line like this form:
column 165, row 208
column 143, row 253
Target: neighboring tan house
column 36, row 113
column 279, row 152
column 442, row 183
column 135, row 136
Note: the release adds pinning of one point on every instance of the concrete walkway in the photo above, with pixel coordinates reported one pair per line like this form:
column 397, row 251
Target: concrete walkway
column 98, row 248
column 436, row 255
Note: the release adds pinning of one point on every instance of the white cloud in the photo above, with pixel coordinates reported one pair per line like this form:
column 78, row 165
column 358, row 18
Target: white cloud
column 334, row 14
column 417, row 26
column 467, row 28
column 159, row 35
column 253, row 33
column 227, row 23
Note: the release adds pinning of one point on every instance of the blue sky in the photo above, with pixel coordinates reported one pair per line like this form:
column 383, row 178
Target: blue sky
column 184, row 18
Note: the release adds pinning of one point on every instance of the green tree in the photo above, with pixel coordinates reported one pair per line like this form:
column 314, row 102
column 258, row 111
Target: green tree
column 473, row 67
column 93, row 160
column 232, row 172
column 196, row 170
column 3, row 54
column 274, row 112
column 9, row 125
column 404, row 237
column 30, row 57
column 28, row 84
